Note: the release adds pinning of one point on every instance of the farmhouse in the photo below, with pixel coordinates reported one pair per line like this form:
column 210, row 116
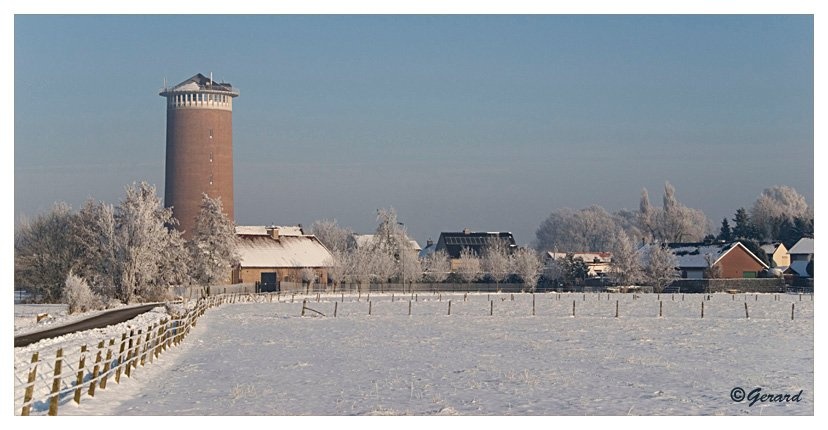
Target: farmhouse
column 271, row 254
column 726, row 260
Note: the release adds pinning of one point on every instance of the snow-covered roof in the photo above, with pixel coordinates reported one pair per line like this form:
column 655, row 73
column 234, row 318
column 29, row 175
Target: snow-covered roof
column 261, row 230
column 286, row 251
column 770, row 248
column 700, row 256
column 804, row 246
column 588, row 257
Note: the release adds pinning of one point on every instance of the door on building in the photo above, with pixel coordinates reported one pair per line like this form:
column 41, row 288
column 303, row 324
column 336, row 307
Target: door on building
column 269, row 282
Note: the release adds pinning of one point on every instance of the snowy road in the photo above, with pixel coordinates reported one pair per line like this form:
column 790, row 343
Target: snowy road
column 263, row 359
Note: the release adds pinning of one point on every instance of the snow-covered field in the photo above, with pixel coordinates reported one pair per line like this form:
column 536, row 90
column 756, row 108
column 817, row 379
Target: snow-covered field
column 265, row 359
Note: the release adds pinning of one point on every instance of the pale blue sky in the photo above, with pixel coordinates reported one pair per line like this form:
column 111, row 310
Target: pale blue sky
column 485, row 122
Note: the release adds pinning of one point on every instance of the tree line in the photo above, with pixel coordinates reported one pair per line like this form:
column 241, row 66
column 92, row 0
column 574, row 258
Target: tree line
column 638, row 239
column 105, row 254
column 390, row 257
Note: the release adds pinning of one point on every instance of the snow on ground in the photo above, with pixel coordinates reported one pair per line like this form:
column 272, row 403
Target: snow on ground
column 264, row 359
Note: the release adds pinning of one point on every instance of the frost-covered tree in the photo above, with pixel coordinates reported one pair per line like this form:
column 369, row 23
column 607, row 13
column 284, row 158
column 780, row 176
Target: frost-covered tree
column 674, row 222
column 527, row 265
column 659, row 266
column 80, row 297
column 335, row 238
column 626, row 261
column 98, row 240
column 308, row 275
column 468, row 266
column 213, row 247
column 409, row 267
column 497, row 259
column 566, row 230
column 143, row 236
column 361, row 266
column 45, row 250
column 337, row 265
column 775, row 206
column 436, row 266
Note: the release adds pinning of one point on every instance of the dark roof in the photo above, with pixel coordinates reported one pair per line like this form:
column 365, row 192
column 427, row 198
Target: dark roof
column 454, row 242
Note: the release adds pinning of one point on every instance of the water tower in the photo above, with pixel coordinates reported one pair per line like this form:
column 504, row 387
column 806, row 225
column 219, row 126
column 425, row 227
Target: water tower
column 199, row 147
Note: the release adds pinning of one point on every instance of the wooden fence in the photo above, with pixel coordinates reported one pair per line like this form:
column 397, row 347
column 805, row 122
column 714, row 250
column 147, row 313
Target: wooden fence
column 44, row 383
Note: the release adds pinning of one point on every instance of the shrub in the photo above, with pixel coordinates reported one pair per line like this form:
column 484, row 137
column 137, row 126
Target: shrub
column 79, row 296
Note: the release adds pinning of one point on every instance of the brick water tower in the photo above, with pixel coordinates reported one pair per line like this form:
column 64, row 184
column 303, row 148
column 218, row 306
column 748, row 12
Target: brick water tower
column 199, row 147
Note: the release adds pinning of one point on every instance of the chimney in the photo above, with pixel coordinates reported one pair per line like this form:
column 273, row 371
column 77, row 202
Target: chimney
column 273, row 231
column 466, row 231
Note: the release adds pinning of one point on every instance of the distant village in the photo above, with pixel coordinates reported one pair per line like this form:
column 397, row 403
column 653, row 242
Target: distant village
column 146, row 249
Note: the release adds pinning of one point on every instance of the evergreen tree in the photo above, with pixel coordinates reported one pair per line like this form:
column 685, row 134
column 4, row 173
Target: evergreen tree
column 743, row 228
column 724, row 233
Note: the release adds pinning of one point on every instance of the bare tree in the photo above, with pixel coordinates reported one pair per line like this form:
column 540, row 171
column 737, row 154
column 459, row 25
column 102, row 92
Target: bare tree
column 213, row 247
column 660, row 266
column 527, row 265
column 776, row 206
column 626, row 262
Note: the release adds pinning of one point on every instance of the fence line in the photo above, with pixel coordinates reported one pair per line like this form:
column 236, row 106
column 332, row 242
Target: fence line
column 46, row 382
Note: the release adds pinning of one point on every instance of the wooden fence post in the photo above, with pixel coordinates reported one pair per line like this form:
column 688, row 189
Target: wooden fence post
column 136, row 351
column 573, row 308
column 120, row 359
column 449, row 307
column 108, row 363
column 27, row 396
column 128, row 362
column 95, row 370
column 747, row 315
column 369, row 306
column 335, row 306
column 409, row 308
column 792, row 311
column 53, row 402
column 616, row 308
column 702, row 312
column 533, row 305
column 81, row 366
column 491, row 307
column 660, row 306
column 303, row 307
